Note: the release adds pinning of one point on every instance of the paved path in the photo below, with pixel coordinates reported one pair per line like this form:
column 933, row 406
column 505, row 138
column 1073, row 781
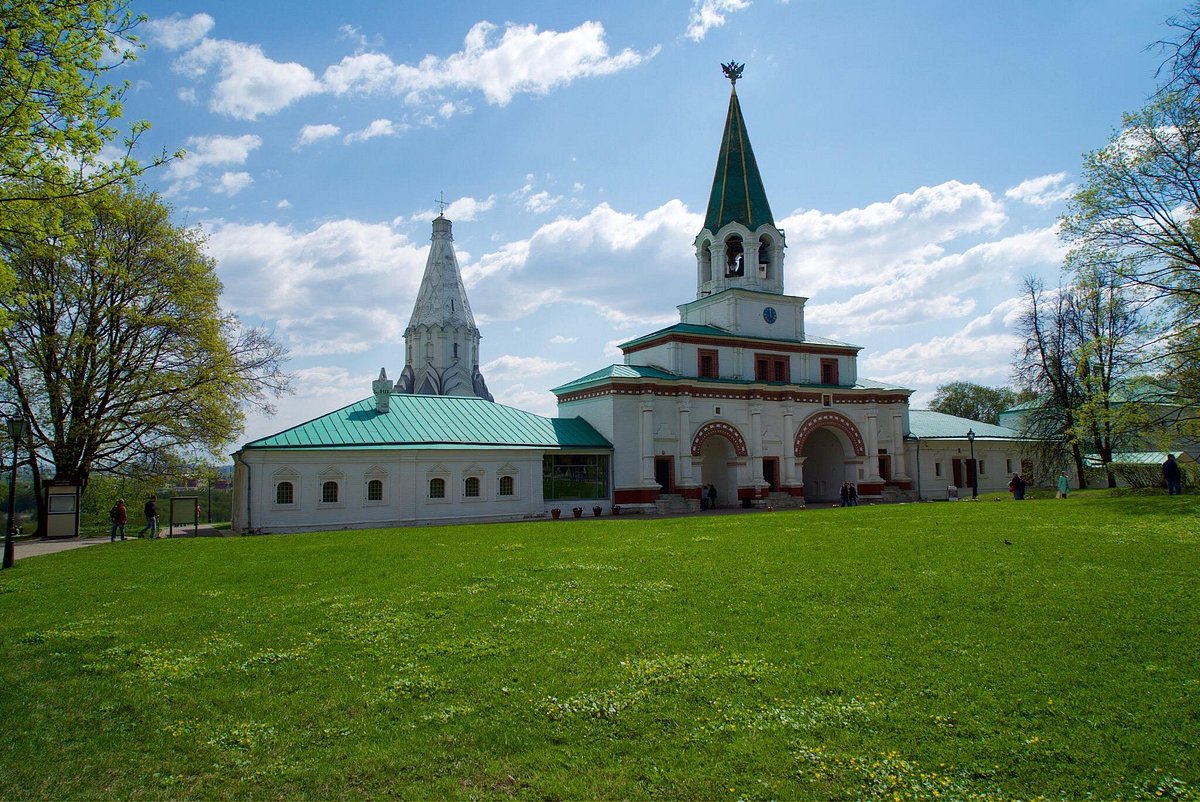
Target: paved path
column 38, row 547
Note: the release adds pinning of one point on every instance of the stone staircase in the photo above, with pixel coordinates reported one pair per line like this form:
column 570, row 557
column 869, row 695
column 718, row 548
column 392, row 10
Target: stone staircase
column 894, row 495
column 782, row 501
column 674, row 504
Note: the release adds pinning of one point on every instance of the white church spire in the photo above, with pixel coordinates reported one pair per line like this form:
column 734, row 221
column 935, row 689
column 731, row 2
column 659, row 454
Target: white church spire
column 441, row 342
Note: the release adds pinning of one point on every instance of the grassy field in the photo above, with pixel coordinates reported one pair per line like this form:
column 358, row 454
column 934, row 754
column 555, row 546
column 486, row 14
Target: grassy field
column 884, row 652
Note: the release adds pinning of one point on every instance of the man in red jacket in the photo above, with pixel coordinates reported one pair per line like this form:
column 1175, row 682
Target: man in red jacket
column 117, row 515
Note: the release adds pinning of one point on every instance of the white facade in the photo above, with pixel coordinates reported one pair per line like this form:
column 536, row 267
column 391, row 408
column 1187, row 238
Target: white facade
column 307, row 490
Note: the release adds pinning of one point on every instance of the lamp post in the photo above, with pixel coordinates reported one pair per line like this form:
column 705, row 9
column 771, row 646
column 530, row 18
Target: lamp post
column 16, row 430
column 974, row 467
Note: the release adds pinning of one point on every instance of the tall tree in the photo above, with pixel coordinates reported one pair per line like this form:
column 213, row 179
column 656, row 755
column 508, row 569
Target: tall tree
column 119, row 353
column 974, row 401
column 1140, row 202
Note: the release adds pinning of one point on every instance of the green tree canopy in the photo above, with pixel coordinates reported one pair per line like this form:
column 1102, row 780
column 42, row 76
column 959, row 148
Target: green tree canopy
column 119, row 353
column 974, row 401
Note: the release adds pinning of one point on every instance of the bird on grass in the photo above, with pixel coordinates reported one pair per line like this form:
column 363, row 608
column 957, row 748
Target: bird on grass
column 1007, row 542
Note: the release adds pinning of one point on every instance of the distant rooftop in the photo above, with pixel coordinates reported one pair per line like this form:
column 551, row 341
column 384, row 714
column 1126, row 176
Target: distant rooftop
column 929, row 425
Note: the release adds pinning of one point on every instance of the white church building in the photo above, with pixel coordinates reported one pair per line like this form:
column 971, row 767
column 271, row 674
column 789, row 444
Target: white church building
column 737, row 396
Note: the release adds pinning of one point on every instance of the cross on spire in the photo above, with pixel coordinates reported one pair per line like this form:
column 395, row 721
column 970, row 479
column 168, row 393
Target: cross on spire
column 441, row 202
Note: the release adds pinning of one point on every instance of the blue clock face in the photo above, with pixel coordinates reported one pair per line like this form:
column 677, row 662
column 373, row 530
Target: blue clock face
column 769, row 314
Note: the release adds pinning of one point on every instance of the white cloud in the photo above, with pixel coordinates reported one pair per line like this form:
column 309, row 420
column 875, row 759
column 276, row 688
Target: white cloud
column 343, row 287
column 559, row 339
column 1043, row 191
column 232, row 183
column 872, row 245
column 284, row 204
column 541, row 202
column 177, row 32
column 205, row 152
column 709, row 14
column 509, row 365
column 500, row 63
column 377, row 128
column 250, row 83
column 315, row 133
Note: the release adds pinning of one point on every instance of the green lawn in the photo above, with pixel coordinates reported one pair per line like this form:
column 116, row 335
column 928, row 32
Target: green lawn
column 868, row 653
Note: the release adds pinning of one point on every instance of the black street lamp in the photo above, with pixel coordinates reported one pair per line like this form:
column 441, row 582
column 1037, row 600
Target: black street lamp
column 974, row 467
column 16, row 430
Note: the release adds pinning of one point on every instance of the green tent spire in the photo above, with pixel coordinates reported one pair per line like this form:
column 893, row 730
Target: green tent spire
column 737, row 190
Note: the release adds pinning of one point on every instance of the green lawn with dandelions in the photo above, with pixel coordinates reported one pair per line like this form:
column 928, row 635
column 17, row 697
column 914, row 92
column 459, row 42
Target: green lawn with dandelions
column 885, row 652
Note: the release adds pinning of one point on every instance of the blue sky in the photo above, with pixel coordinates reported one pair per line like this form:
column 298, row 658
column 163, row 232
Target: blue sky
column 916, row 155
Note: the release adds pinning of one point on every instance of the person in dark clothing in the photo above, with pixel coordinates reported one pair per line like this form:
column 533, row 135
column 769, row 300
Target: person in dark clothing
column 712, row 497
column 852, row 489
column 118, row 517
column 845, row 494
column 1172, row 476
column 151, row 511
column 1017, row 486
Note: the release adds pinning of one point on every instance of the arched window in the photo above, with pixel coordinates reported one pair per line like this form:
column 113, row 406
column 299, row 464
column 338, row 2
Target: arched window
column 456, row 350
column 375, row 490
column 733, row 256
column 285, row 493
column 329, row 492
column 437, row 487
column 705, row 262
column 506, row 485
column 764, row 258
column 471, row 487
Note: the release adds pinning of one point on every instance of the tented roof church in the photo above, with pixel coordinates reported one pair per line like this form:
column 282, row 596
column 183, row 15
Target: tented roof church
column 738, row 396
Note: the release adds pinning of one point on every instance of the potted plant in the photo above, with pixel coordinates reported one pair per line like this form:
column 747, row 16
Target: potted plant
column 616, row 509
column 578, row 511
column 597, row 510
column 554, row 513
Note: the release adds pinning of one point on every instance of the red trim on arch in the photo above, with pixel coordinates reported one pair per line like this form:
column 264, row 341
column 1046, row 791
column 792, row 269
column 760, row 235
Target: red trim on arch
column 835, row 420
column 722, row 429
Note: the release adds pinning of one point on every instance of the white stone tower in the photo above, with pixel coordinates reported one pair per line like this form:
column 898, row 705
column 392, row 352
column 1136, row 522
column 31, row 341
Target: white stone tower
column 441, row 343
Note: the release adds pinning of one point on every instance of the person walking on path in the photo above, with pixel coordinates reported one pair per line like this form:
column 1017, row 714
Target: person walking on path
column 118, row 517
column 852, row 489
column 712, row 497
column 704, row 498
column 151, row 511
column 845, row 494
column 1173, row 476
column 1064, row 485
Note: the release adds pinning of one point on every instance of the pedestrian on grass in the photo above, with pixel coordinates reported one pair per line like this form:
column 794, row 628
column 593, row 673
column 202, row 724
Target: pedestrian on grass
column 1064, row 485
column 117, row 516
column 1017, row 487
column 1172, row 476
column 151, row 512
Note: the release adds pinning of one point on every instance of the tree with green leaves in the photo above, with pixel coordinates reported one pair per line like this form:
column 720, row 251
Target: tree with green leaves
column 1140, row 203
column 973, row 401
column 119, row 353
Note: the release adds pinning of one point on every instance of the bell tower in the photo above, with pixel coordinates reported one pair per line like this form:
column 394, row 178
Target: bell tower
column 739, row 247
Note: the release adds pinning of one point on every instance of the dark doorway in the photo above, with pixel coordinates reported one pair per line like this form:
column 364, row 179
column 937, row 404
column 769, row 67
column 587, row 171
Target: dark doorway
column 958, row 473
column 663, row 474
column 771, row 473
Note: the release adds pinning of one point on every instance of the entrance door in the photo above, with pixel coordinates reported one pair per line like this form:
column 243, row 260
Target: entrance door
column 771, row 473
column 958, row 473
column 662, row 474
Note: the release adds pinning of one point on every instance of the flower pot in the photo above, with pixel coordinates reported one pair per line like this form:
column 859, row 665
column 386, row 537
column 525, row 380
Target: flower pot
column 578, row 512
column 597, row 510
column 616, row 510
column 554, row 513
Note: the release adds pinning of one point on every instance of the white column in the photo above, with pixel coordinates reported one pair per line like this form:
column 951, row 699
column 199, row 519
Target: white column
column 898, row 466
column 872, row 466
column 756, row 471
column 789, row 442
column 683, row 449
column 647, row 432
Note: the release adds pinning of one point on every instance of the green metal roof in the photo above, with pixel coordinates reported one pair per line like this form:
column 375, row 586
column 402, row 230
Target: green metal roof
column 647, row 372
column 424, row 421
column 714, row 331
column 737, row 191
column 929, row 425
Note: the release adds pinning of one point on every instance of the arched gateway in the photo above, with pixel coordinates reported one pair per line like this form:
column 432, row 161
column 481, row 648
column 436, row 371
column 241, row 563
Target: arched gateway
column 721, row 449
column 832, row 448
